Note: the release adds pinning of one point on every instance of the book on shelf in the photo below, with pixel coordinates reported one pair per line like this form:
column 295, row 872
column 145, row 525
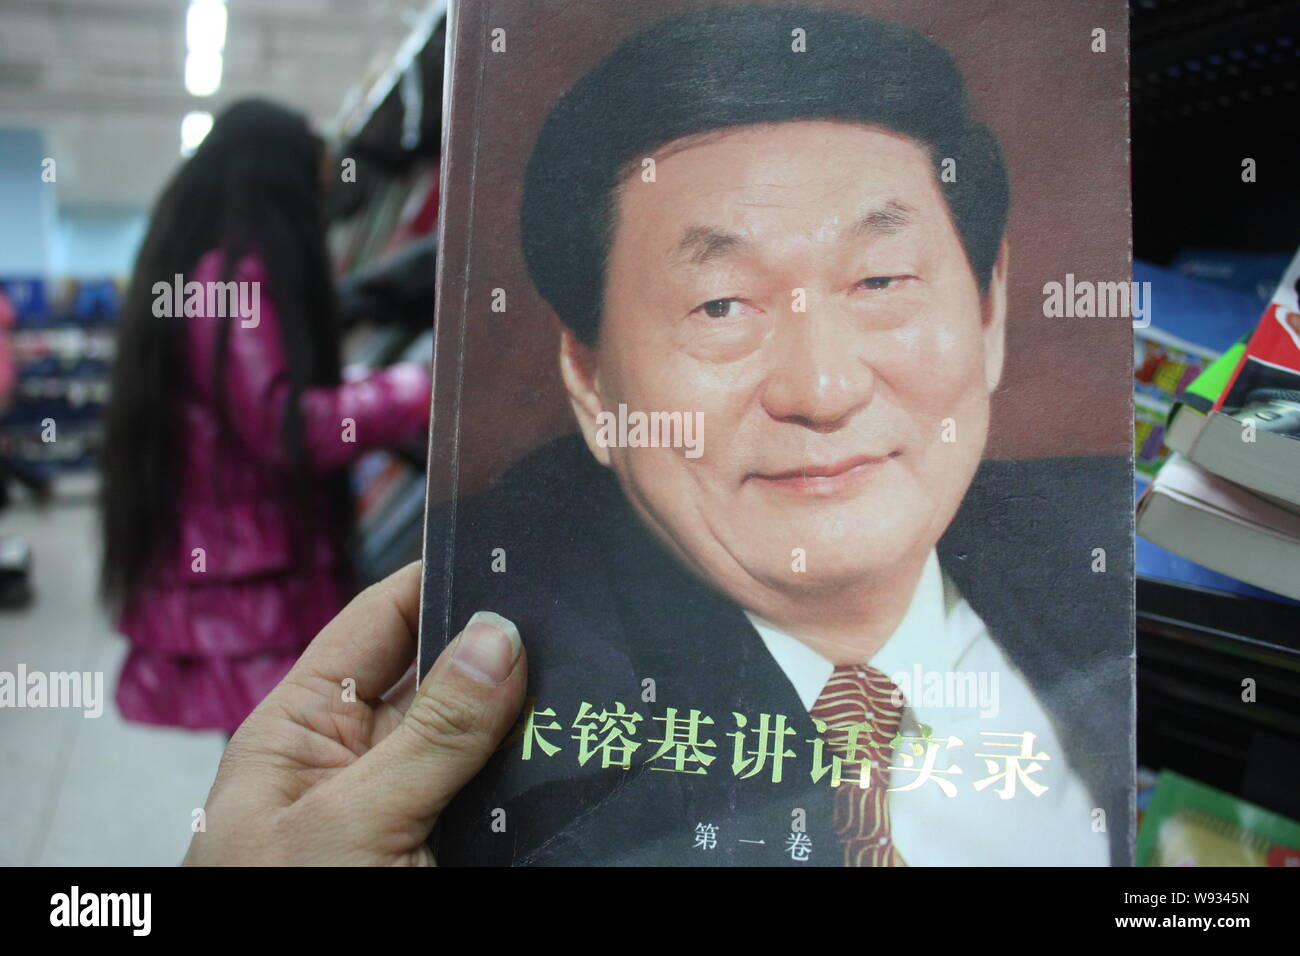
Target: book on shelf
column 1252, row 434
column 1192, row 408
column 1187, row 823
column 1197, row 514
column 1229, row 496
column 1192, row 322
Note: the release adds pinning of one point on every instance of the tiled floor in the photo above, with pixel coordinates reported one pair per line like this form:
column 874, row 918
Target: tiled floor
column 77, row 790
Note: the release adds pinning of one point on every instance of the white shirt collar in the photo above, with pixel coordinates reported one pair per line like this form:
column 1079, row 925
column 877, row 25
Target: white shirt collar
column 934, row 633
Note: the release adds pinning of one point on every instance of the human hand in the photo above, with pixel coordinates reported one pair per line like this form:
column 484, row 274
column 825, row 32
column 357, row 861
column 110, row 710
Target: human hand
column 311, row 778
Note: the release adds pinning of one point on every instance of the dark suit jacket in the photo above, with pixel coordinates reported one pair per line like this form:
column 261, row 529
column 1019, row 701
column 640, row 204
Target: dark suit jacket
column 602, row 606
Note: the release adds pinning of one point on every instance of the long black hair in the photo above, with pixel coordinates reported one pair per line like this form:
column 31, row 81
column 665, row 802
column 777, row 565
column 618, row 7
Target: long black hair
column 253, row 185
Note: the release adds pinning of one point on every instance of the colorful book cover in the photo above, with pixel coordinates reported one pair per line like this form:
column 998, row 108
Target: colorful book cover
column 1187, row 823
column 1191, row 322
column 748, row 414
column 1206, row 388
column 1267, row 379
column 1186, row 415
column 1164, row 367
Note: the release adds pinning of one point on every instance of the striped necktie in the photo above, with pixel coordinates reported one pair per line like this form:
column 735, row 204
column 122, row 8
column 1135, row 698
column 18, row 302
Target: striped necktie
column 858, row 719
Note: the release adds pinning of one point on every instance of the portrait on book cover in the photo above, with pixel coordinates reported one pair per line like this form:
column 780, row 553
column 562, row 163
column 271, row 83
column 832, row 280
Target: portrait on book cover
column 817, row 527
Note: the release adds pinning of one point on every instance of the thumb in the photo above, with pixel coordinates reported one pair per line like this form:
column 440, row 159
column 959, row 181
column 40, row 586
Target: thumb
column 461, row 712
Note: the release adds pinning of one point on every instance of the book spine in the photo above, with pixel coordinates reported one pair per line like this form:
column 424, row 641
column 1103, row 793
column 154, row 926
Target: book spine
column 462, row 84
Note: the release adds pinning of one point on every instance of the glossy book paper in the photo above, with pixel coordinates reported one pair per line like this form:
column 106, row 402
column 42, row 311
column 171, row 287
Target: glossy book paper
column 760, row 411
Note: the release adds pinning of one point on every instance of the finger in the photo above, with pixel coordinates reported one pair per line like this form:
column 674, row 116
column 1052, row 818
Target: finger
column 372, row 640
column 463, row 709
column 280, row 749
column 402, row 693
column 387, row 711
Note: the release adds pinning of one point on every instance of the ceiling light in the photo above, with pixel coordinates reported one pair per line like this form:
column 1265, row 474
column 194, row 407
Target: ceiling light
column 194, row 126
column 205, row 25
column 202, row 72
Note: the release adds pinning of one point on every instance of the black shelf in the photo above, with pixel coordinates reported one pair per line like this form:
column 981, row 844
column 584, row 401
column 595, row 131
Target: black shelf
column 1214, row 82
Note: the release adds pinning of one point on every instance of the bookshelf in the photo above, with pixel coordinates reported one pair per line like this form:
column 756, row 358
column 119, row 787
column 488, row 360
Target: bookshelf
column 383, row 215
column 63, row 343
column 1215, row 82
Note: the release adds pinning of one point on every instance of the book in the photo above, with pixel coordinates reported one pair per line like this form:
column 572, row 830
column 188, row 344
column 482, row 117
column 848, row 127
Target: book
column 1187, row 823
column 1222, row 526
column 1192, row 321
column 1158, row 564
column 1189, row 412
column 1252, row 434
column 1249, row 272
column 740, row 415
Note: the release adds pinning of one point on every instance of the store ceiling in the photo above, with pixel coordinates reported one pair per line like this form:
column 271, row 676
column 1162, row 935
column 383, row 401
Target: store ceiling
column 104, row 78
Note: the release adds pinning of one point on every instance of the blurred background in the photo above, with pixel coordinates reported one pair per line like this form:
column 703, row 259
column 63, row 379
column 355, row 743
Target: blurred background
column 102, row 100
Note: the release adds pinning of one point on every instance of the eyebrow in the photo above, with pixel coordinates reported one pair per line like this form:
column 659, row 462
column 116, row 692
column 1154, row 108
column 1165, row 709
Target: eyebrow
column 888, row 219
column 702, row 244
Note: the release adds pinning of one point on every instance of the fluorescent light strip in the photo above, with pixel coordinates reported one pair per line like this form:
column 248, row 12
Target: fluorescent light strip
column 202, row 72
column 194, row 126
column 205, row 26
column 205, row 38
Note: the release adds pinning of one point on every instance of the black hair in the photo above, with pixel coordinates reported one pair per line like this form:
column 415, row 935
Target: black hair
column 253, row 185
column 738, row 66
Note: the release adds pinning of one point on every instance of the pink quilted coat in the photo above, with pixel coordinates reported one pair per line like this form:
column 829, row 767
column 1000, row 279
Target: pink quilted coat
column 227, row 614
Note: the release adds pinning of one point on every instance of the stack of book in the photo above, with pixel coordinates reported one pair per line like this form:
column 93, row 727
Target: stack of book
column 1228, row 496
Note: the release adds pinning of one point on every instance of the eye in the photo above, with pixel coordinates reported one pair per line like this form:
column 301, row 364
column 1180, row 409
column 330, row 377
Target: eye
column 880, row 283
column 721, row 308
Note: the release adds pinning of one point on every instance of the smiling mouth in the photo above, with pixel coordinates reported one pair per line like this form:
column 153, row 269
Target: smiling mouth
column 825, row 479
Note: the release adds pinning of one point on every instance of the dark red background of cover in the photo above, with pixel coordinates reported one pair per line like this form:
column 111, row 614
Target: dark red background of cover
column 1059, row 110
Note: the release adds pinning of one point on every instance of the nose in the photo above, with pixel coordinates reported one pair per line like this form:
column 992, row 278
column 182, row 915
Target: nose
column 818, row 379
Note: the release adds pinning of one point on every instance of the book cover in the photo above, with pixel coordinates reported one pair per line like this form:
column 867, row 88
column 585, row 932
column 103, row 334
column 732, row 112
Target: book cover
column 1178, row 367
column 1190, row 824
column 757, row 327
column 1187, row 414
column 1269, row 370
column 1252, row 435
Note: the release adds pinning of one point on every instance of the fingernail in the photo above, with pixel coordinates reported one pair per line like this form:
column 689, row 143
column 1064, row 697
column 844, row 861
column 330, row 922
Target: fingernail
column 487, row 648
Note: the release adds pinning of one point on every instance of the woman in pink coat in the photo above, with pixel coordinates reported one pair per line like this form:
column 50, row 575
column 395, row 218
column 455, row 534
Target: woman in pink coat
column 226, row 510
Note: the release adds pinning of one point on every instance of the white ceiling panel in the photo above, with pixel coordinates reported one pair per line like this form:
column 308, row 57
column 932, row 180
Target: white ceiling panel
column 105, row 78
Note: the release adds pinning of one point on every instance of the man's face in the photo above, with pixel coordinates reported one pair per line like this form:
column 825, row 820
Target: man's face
column 802, row 285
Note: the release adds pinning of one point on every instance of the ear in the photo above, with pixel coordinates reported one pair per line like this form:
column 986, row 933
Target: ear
column 995, row 320
column 582, row 382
